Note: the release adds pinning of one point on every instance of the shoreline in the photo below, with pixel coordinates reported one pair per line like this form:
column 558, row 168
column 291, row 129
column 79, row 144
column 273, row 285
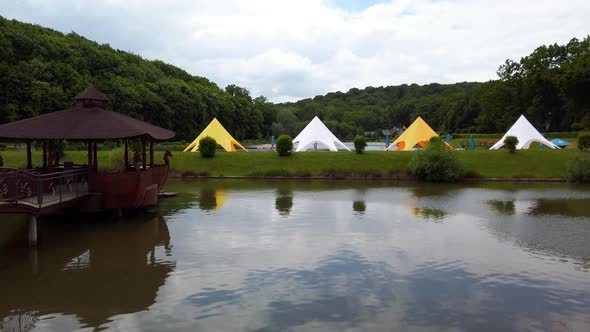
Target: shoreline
column 353, row 177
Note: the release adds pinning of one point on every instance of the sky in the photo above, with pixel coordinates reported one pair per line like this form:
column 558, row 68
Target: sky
column 290, row 50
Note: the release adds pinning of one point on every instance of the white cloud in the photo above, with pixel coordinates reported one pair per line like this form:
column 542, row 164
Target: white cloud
column 295, row 49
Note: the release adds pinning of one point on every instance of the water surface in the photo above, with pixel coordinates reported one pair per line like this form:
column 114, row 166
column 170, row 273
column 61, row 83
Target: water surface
column 310, row 256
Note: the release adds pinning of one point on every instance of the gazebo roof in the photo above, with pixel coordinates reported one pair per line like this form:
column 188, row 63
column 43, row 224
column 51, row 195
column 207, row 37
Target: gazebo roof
column 92, row 93
column 86, row 121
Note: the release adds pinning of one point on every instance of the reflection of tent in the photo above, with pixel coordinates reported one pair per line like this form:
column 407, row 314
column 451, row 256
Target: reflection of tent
column 561, row 143
column 317, row 132
column 220, row 198
column 211, row 199
column 221, row 136
column 419, row 132
column 526, row 134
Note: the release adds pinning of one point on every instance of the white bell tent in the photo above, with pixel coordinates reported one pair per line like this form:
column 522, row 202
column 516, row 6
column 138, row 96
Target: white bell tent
column 317, row 132
column 526, row 134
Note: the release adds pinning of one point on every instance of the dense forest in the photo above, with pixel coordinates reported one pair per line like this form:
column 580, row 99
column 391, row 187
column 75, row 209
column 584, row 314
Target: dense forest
column 42, row 69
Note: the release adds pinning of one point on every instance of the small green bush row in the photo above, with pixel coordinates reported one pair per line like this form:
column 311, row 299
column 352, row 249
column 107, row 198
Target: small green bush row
column 284, row 145
column 207, row 147
column 360, row 143
column 436, row 163
column 510, row 143
column 578, row 169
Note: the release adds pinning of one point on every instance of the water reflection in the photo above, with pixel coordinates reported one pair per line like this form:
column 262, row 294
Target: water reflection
column 359, row 207
column 436, row 215
column 211, row 198
column 431, row 190
column 90, row 269
column 348, row 290
column 503, row 207
column 284, row 199
column 561, row 207
column 506, row 258
column 447, row 296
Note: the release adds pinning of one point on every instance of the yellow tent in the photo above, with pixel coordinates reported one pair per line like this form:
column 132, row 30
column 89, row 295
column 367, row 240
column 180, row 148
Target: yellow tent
column 419, row 132
column 221, row 136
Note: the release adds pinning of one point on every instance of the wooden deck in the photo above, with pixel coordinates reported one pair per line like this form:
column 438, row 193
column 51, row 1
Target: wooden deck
column 41, row 194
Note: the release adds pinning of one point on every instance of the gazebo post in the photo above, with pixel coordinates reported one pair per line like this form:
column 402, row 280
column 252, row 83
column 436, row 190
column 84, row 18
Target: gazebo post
column 29, row 158
column 151, row 153
column 89, row 154
column 144, row 155
column 44, row 154
column 50, row 155
column 126, row 155
column 95, row 156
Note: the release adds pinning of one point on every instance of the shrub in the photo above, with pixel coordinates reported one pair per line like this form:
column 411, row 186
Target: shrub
column 118, row 159
column 584, row 142
column 578, row 169
column 436, row 163
column 510, row 143
column 284, row 145
column 207, row 147
column 360, row 143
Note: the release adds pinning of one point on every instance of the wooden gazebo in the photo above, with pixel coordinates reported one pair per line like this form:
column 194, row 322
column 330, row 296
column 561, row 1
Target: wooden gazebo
column 89, row 121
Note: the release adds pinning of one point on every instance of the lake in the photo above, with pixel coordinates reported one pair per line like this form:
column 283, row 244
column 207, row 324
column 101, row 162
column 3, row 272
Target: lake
column 238, row 255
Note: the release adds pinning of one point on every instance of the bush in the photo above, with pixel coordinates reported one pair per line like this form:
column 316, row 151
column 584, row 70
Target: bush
column 284, row 145
column 360, row 143
column 436, row 163
column 584, row 142
column 578, row 169
column 207, row 147
column 118, row 159
column 510, row 143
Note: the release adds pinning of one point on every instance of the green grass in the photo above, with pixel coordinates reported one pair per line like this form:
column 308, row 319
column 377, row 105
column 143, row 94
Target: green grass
column 481, row 163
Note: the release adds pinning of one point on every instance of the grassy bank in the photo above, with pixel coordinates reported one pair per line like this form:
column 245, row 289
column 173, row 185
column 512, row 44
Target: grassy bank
column 479, row 163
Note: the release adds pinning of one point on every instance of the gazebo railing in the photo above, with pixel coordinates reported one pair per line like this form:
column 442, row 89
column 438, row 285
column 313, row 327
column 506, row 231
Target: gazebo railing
column 38, row 190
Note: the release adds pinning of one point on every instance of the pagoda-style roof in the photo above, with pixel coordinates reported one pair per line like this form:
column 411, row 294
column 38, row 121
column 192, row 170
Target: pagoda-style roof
column 89, row 120
column 92, row 93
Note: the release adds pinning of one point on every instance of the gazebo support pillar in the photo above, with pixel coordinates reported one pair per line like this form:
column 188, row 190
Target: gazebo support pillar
column 44, row 154
column 126, row 157
column 151, row 154
column 89, row 155
column 50, row 155
column 143, row 155
column 95, row 156
column 29, row 157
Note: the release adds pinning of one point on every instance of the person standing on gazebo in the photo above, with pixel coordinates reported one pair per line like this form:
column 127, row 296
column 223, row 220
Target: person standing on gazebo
column 167, row 156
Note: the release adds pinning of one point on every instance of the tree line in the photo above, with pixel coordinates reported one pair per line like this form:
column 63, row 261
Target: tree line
column 41, row 70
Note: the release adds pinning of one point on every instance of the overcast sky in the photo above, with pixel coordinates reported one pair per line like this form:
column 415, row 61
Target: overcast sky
column 288, row 50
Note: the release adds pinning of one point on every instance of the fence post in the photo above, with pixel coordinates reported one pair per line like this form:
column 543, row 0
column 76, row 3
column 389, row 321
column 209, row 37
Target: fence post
column 40, row 192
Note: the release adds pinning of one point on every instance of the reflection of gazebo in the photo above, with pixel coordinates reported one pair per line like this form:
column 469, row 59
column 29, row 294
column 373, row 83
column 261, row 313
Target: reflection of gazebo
column 96, row 273
column 90, row 122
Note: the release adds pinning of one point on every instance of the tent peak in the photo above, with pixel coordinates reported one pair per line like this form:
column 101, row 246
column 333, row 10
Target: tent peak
column 317, row 132
column 526, row 134
column 419, row 132
column 216, row 130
